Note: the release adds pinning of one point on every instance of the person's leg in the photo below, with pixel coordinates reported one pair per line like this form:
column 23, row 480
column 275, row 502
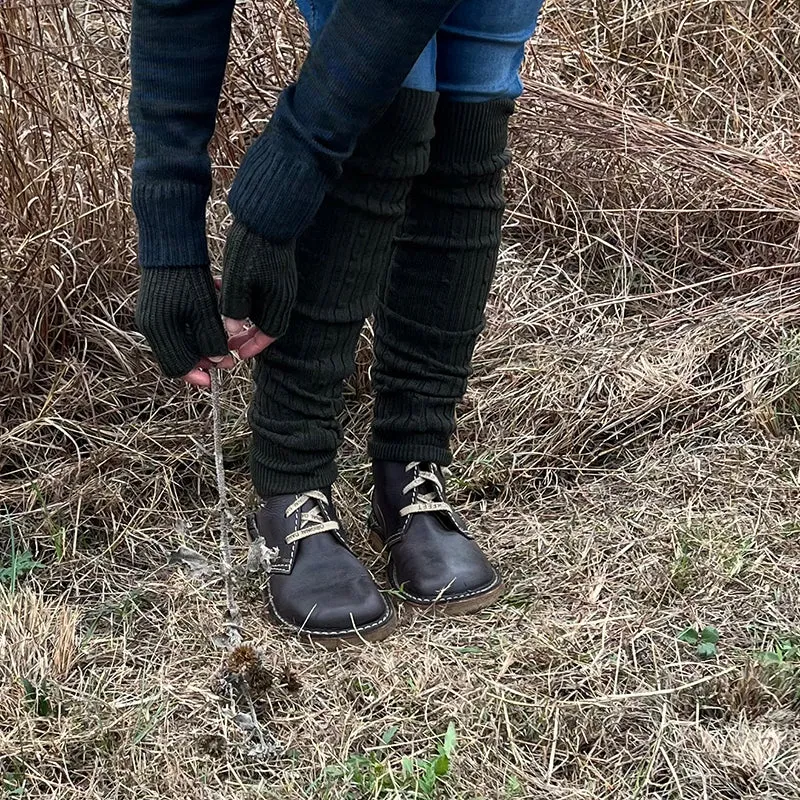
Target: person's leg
column 432, row 308
column 341, row 260
column 446, row 252
column 317, row 585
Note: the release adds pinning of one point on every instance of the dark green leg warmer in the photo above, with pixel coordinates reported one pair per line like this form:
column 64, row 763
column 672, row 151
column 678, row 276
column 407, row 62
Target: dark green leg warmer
column 443, row 264
column 341, row 260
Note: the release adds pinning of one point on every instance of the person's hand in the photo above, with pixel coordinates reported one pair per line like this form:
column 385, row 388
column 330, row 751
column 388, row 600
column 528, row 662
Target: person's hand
column 259, row 285
column 245, row 339
column 178, row 313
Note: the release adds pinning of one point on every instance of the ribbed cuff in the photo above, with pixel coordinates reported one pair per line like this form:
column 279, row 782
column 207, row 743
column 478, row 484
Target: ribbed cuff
column 259, row 280
column 279, row 185
column 416, row 447
column 172, row 223
column 467, row 133
column 277, row 470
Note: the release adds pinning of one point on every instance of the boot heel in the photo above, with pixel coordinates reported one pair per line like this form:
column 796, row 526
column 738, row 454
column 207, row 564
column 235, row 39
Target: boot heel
column 375, row 539
column 376, row 542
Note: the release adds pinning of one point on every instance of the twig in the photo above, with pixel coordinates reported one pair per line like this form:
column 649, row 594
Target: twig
column 233, row 617
column 613, row 698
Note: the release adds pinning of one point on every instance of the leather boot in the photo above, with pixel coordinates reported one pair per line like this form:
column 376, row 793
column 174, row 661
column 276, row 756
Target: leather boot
column 432, row 559
column 316, row 587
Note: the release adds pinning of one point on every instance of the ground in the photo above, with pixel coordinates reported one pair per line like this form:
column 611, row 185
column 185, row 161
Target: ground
column 627, row 453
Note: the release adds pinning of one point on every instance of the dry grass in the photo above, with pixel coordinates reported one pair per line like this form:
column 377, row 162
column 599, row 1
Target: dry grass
column 628, row 450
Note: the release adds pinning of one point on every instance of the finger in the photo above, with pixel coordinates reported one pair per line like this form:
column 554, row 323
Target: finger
column 235, row 342
column 260, row 341
column 197, row 377
column 234, row 326
column 222, row 362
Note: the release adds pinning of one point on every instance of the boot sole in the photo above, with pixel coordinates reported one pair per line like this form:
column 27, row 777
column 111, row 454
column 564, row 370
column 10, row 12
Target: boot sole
column 451, row 608
column 335, row 641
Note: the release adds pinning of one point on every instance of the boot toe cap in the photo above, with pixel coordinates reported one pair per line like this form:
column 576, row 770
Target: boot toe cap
column 452, row 572
column 341, row 605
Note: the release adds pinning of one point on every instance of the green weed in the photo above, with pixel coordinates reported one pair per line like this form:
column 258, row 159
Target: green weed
column 513, row 788
column 374, row 775
column 682, row 571
column 19, row 565
column 147, row 721
column 708, row 553
column 12, row 780
column 704, row 641
column 38, row 698
column 784, row 651
column 780, row 663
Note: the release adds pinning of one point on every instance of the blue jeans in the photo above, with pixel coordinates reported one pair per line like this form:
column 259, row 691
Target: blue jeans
column 475, row 56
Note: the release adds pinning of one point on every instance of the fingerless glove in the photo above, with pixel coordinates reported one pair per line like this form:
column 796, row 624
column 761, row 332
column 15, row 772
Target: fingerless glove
column 178, row 314
column 259, row 280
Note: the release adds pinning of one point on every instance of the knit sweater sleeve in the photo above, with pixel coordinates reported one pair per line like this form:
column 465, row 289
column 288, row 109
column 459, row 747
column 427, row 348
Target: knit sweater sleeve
column 353, row 71
column 178, row 53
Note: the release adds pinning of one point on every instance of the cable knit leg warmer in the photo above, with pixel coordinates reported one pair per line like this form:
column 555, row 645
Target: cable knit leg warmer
column 438, row 283
column 340, row 261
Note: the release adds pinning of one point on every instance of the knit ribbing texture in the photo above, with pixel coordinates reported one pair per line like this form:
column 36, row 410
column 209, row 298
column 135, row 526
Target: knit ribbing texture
column 259, row 280
column 437, row 287
column 177, row 312
column 340, row 262
column 353, row 71
column 178, row 54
